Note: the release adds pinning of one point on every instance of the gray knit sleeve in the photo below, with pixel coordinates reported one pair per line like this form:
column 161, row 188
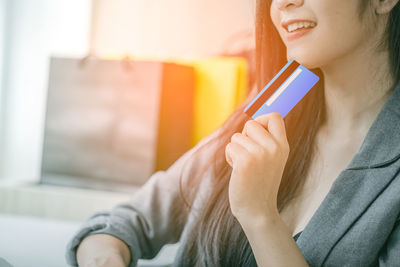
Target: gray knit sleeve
column 155, row 214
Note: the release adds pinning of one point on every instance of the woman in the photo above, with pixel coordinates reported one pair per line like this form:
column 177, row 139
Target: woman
column 320, row 187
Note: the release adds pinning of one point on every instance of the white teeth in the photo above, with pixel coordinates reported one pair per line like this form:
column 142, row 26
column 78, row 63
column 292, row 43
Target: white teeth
column 298, row 25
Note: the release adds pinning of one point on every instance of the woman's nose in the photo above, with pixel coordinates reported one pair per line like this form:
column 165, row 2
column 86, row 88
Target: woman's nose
column 284, row 4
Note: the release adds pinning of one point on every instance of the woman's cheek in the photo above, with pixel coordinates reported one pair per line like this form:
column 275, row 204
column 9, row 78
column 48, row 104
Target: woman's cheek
column 274, row 15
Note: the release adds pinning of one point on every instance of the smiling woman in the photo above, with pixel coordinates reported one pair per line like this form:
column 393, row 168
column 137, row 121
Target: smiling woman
column 262, row 181
column 318, row 34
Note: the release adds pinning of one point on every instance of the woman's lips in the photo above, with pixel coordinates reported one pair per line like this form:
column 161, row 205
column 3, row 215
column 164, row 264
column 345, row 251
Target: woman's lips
column 301, row 26
column 290, row 36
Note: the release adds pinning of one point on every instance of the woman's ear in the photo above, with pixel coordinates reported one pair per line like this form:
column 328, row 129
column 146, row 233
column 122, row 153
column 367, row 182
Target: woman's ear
column 384, row 6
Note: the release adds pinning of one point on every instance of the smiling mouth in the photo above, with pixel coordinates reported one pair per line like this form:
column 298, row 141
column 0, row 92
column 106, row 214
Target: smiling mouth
column 299, row 26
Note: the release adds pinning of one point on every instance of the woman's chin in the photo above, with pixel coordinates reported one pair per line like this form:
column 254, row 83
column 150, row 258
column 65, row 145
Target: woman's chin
column 306, row 59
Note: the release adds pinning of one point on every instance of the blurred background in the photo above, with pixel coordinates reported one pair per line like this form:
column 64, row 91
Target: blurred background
column 96, row 96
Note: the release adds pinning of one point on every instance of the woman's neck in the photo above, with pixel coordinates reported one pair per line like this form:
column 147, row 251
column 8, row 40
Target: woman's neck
column 356, row 88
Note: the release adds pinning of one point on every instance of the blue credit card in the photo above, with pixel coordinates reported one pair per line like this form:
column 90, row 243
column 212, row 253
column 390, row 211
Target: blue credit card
column 284, row 91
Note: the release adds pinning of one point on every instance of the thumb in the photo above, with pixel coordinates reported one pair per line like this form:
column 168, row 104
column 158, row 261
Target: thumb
column 273, row 122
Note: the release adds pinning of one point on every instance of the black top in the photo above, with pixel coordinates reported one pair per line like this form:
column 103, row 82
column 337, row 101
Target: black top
column 297, row 235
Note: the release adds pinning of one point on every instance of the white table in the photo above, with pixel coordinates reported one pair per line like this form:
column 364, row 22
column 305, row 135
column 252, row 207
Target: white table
column 32, row 241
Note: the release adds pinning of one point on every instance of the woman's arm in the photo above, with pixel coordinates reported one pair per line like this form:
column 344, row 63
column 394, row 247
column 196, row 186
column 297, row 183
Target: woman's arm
column 258, row 157
column 154, row 216
column 103, row 250
column 272, row 242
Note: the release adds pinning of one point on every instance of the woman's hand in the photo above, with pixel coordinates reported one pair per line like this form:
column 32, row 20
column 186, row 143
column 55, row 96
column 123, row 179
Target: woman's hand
column 102, row 250
column 258, row 157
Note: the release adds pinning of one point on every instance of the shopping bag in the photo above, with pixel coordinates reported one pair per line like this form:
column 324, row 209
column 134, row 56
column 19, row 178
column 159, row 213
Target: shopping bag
column 221, row 86
column 115, row 121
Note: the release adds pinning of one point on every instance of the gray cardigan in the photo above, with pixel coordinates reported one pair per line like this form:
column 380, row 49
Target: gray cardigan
column 357, row 224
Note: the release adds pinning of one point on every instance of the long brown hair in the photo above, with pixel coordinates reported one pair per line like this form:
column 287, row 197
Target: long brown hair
column 217, row 238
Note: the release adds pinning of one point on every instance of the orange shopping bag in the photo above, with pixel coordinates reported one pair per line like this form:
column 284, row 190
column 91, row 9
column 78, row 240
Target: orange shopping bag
column 114, row 122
